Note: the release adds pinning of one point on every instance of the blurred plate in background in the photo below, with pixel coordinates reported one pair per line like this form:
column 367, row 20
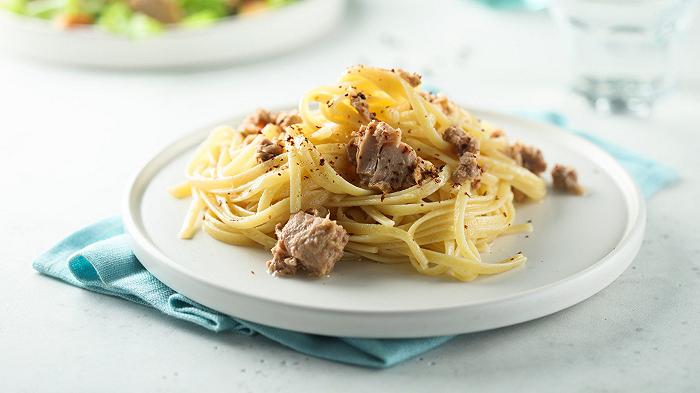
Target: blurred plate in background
column 236, row 39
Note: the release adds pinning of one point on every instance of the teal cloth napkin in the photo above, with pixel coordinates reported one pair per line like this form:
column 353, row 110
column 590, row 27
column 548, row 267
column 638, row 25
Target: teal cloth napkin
column 650, row 176
column 98, row 258
column 516, row 5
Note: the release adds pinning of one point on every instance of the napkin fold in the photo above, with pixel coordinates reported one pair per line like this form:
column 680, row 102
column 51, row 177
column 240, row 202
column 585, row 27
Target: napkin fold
column 515, row 5
column 651, row 176
column 98, row 258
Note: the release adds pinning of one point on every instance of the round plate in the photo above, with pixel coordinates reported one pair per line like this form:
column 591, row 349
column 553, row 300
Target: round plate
column 579, row 246
column 226, row 41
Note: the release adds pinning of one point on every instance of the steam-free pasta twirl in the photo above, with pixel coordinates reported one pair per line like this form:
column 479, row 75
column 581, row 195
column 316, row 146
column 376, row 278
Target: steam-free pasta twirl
column 371, row 165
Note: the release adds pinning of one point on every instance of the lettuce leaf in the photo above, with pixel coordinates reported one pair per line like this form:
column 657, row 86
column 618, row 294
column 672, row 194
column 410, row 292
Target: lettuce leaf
column 279, row 3
column 218, row 8
column 16, row 6
column 118, row 18
column 200, row 19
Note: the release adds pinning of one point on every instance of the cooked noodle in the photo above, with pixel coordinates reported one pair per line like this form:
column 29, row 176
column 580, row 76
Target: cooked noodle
column 439, row 227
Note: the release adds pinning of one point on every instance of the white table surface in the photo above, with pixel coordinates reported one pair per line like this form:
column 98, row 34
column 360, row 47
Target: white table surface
column 71, row 138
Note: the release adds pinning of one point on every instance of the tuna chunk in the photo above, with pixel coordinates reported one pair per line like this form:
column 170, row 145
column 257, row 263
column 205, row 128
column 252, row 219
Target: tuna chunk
column 255, row 122
column 565, row 179
column 466, row 148
column 468, row 170
column 286, row 119
column 307, row 242
column 412, row 78
column 518, row 196
column 166, row 11
column 529, row 157
column 446, row 106
column 497, row 133
column 268, row 150
column 382, row 162
column 460, row 140
column 358, row 100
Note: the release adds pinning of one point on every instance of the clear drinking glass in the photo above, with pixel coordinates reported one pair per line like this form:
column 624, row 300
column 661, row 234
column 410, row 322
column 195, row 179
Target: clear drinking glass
column 622, row 52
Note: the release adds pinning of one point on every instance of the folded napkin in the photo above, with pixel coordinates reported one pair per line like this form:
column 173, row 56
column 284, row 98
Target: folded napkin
column 98, row 258
column 650, row 176
column 516, row 5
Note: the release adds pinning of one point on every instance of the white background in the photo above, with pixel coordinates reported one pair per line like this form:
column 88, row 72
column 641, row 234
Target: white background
column 71, row 138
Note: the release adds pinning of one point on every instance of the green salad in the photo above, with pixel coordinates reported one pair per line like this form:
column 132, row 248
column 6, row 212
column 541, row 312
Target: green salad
column 137, row 18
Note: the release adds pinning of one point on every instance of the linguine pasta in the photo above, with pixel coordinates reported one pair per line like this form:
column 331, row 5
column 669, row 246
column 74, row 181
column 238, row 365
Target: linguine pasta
column 439, row 227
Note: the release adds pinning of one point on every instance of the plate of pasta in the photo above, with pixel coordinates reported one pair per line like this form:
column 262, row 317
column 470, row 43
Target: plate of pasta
column 376, row 209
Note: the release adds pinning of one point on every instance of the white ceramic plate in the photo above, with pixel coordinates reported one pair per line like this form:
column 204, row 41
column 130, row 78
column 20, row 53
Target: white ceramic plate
column 580, row 245
column 235, row 39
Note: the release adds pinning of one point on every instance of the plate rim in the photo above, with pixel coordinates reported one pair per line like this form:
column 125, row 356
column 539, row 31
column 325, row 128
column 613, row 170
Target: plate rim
column 628, row 244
